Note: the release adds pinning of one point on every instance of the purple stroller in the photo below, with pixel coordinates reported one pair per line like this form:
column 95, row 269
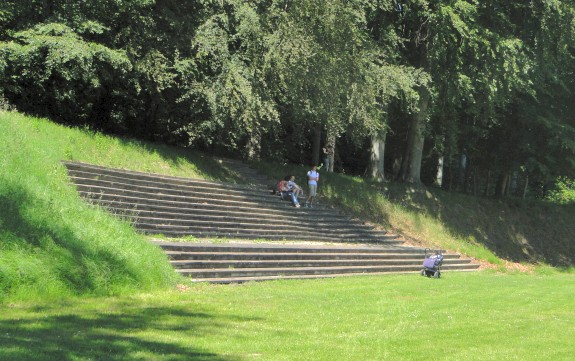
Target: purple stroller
column 432, row 263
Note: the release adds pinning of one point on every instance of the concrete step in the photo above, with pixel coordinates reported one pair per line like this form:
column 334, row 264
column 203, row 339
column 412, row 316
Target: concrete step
column 259, row 232
column 292, row 248
column 263, row 226
column 255, row 233
column 104, row 194
column 202, row 274
column 174, row 210
column 262, row 219
column 208, row 198
column 232, row 262
column 283, row 263
column 271, row 256
column 85, row 175
column 198, row 189
column 318, row 223
column 99, row 172
column 229, row 280
column 177, row 207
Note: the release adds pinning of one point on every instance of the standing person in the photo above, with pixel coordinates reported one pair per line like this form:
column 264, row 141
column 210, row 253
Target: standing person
column 312, row 179
column 327, row 156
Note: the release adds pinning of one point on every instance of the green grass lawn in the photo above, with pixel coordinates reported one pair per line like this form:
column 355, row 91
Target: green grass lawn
column 78, row 284
column 462, row 316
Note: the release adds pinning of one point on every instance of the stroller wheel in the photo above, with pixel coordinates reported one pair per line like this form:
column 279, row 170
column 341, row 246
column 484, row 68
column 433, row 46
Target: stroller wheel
column 437, row 274
column 422, row 272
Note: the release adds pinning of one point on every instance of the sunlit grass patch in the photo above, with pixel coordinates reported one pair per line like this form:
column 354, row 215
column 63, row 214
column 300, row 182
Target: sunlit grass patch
column 471, row 316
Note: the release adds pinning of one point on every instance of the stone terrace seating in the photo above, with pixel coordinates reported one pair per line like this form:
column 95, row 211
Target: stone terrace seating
column 324, row 242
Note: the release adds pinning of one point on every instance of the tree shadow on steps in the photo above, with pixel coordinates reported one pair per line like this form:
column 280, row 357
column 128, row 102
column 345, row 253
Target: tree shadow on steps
column 207, row 164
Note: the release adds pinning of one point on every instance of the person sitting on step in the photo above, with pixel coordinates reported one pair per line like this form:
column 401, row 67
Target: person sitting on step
column 285, row 192
column 292, row 186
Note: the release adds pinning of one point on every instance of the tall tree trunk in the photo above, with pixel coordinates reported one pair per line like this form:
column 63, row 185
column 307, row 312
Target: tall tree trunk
column 254, row 146
column 526, row 186
column 330, row 140
column 316, row 145
column 487, row 183
column 150, row 125
column 514, row 184
column 411, row 166
column 439, row 174
column 508, row 189
column 376, row 158
column 502, row 184
column 461, row 173
column 475, row 182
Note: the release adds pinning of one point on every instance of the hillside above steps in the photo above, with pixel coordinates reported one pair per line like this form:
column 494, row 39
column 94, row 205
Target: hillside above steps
column 324, row 241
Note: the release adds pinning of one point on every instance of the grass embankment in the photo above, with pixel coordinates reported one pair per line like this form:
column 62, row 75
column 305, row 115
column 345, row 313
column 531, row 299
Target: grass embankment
column 507, row 233
column 52, row 244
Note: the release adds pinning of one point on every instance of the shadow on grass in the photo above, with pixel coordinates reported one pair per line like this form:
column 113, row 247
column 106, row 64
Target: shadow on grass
column 513, row 229
column 121, row 332
column 180, row 157
column 47, row 251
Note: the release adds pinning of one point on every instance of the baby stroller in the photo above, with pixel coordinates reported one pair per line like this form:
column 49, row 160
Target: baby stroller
column 432, row 263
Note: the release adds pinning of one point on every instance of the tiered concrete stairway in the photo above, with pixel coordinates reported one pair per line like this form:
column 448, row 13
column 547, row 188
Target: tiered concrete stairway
column 176, row 207
column 226, row 263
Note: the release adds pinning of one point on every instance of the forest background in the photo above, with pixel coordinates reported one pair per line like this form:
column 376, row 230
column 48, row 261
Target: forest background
column 472, row 96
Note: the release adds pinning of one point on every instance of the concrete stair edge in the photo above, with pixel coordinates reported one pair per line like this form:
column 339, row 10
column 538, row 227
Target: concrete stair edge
column 178, row 207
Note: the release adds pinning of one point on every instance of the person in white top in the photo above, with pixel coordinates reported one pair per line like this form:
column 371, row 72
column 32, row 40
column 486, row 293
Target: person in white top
column 312, row 179
column 294, row 187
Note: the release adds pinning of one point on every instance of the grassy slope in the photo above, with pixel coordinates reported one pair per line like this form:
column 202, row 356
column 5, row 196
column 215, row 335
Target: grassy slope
column 51, row 243
column 514, row 230
column 507, row 233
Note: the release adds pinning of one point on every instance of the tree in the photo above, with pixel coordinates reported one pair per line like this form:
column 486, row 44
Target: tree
column 230, row 48
column 475, row 65
column 50, row 70
column 334, row 78
column 489, row 82
column 519, row 127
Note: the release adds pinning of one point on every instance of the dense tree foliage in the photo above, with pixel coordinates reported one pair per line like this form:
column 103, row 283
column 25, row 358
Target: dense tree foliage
column 470, row 95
